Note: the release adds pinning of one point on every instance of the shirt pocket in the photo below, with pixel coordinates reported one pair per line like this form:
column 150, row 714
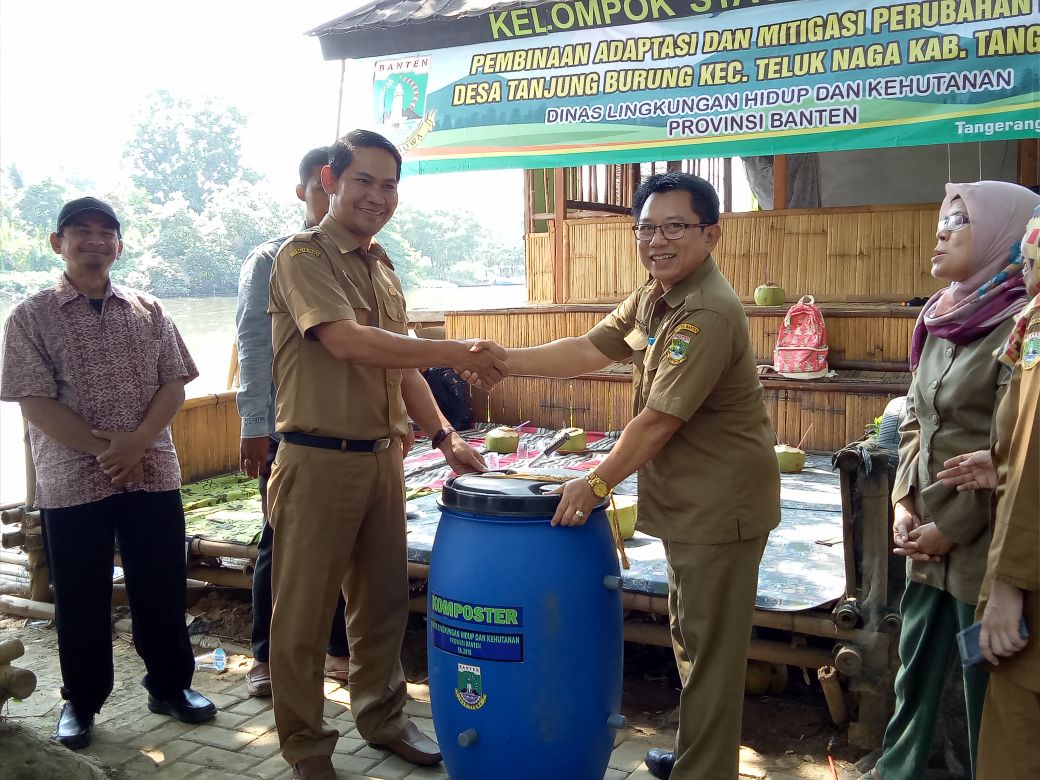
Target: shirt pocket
column 356, row 300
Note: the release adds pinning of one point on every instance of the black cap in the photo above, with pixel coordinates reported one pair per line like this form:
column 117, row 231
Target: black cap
column 80, row 205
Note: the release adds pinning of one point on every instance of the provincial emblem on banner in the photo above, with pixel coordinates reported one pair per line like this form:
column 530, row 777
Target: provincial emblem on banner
column 399, row 87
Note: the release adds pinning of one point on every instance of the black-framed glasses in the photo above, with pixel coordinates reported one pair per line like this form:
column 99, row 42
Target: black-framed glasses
column 671, row 230
column 952, row 222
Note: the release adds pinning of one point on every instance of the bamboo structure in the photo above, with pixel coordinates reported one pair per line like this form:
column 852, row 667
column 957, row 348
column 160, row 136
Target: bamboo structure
column 863, row 253
column 206, row 434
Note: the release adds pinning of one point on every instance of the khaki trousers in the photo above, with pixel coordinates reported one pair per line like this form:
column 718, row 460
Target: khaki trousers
column 339, row 524
column 1008, row 747
column 711, row 598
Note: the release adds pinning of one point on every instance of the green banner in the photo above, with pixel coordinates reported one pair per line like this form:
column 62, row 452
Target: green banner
column 754, row 78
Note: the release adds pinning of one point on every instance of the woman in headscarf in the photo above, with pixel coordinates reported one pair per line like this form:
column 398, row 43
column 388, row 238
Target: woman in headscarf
column 945, row 533
column 1011, row 590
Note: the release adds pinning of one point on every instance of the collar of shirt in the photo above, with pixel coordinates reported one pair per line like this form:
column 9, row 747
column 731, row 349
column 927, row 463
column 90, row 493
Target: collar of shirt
column 682, row 289
column 66, row 291
column 347, row 242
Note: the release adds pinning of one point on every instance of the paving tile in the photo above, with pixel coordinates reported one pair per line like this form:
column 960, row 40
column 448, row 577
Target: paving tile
column 180, row 772
column 334, row 709
column 264, row 746
column 171, row 730
column 428, row 773
column 349, row 745
column 224, row 760
column 374, row 753
column 170, row 752
column 218, row 737
column 358, row 764
column 615, row 774
column 258, row 724
column 206, row 683
column 418, row 708
column 339, row 695
column 140, row 766
column 228, row 720
column 629, row 755
column 225, row 701
column 254, row 705
column 274, row 768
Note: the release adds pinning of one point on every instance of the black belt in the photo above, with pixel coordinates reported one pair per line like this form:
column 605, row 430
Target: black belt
column 343, row 445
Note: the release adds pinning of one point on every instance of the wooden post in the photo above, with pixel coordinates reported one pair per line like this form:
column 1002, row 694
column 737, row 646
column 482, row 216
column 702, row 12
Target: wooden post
column 233, row 367
column 779, row 181
column 559, row 216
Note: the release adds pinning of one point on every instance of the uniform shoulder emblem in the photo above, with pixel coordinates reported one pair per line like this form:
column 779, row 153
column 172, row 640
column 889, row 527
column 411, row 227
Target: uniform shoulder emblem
column 304, row 250
column 679, row 343
column 305, row 242
column 1031, row 349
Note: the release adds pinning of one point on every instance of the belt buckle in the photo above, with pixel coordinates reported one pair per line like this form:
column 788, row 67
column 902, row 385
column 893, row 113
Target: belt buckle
column 382, row 444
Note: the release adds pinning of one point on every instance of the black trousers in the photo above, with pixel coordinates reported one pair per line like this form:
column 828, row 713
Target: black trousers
column 262, row 600
column 80, row 540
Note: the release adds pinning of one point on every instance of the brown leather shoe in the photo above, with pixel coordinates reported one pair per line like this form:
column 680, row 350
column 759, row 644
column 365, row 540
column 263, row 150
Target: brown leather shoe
column 314, row 768
column 258, row 679
column 414, row 747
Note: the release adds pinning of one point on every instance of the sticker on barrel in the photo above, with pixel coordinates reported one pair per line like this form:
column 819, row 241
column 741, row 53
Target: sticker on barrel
column 479, row 645
column 470, row 690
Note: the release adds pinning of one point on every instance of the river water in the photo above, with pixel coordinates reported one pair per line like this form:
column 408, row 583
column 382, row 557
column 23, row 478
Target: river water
column 208, row 328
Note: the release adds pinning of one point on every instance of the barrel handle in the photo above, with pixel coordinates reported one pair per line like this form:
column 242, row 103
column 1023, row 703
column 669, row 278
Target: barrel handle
column 612, row 582
column 468, row 738
column 617, row 721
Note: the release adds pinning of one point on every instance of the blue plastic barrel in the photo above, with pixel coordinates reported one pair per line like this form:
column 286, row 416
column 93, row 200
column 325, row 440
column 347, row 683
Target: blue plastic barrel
column 524, row 635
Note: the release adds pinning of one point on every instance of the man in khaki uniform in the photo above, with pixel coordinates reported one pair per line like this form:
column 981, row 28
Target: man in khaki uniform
column 702, row 442
column 346, row 381
column 1011, row 588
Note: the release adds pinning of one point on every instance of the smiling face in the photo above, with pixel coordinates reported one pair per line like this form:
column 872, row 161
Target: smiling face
column 90, row 244
column 364, row 196
column 952, row 260
column 670, row 261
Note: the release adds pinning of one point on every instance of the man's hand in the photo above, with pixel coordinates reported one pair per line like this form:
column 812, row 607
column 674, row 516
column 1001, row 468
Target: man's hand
column 484, row 364
column 252, row 454
column 971, row 471
column 134, row 478
column 576, row 502
column 904, row 522
column 124, row 452
column 1000, row 636
column 462, row 458
column 928, row 541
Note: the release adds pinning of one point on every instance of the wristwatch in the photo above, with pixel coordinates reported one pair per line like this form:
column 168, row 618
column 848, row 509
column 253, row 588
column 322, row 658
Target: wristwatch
column 441, row 435
column 600, row 489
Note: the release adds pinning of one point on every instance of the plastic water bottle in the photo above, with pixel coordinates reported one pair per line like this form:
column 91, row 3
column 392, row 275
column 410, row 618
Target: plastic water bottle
column 215, row 661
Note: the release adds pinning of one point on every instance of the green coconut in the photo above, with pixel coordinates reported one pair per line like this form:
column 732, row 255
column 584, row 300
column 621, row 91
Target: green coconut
column 769, row 294
column 790, row 459
column 626, row 514
column 577, row 442
column 503, row 440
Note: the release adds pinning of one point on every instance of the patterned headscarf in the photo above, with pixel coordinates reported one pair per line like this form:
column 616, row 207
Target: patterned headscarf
column 1011, row 352
column 996, row 289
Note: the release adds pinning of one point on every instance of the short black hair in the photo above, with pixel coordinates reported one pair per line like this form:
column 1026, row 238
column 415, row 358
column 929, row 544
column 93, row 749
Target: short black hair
column 703, row 198
column 312, row 160
column 341, row 153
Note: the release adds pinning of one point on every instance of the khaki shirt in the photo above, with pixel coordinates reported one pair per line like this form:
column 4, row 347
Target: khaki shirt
column 323, row 275
column 716, row 480
column 950, row 408
column 1014, row 555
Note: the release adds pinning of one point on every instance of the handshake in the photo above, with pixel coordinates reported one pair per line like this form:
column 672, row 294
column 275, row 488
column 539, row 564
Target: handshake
column 482, row 363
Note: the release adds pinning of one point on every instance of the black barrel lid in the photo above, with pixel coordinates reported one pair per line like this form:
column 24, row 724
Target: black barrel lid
column 502, row 493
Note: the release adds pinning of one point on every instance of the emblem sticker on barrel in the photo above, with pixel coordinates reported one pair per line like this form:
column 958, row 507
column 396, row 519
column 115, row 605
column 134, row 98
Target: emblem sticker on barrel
column 483, row 645
column 470, row 690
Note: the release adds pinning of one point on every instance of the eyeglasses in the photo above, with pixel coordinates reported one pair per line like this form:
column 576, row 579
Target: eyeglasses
column 952, row 222
column 671, row 230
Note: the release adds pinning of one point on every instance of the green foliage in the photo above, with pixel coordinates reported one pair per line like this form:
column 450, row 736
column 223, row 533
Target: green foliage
column 39, row 205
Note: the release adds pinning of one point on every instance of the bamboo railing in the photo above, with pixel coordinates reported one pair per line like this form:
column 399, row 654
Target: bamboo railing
column 206, row 434
column 876, row 253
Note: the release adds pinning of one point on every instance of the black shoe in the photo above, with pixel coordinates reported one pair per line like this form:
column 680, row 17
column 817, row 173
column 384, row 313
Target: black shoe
column 660, row 762
column 187, row 706
column 73, row 729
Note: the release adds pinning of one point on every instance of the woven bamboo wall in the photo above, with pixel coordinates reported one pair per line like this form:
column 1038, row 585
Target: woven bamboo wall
column 206, row 434
column 847, row 254
column 881, row 334
column 599, row 405
column 539, row 267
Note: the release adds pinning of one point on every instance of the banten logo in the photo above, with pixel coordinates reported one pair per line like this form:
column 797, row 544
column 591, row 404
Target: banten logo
column 470, row 692
column 399, row 88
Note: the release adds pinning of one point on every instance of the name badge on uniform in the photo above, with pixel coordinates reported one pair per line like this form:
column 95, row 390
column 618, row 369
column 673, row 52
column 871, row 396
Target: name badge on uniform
column 679, row 346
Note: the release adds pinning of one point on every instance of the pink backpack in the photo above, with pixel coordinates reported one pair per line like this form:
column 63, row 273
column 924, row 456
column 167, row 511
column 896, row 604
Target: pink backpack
column 801, row 345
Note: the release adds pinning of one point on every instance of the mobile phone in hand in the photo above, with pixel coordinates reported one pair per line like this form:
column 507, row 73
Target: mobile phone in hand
column 968, row 643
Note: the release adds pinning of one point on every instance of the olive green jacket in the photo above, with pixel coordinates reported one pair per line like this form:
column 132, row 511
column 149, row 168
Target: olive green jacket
column 950, row 411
